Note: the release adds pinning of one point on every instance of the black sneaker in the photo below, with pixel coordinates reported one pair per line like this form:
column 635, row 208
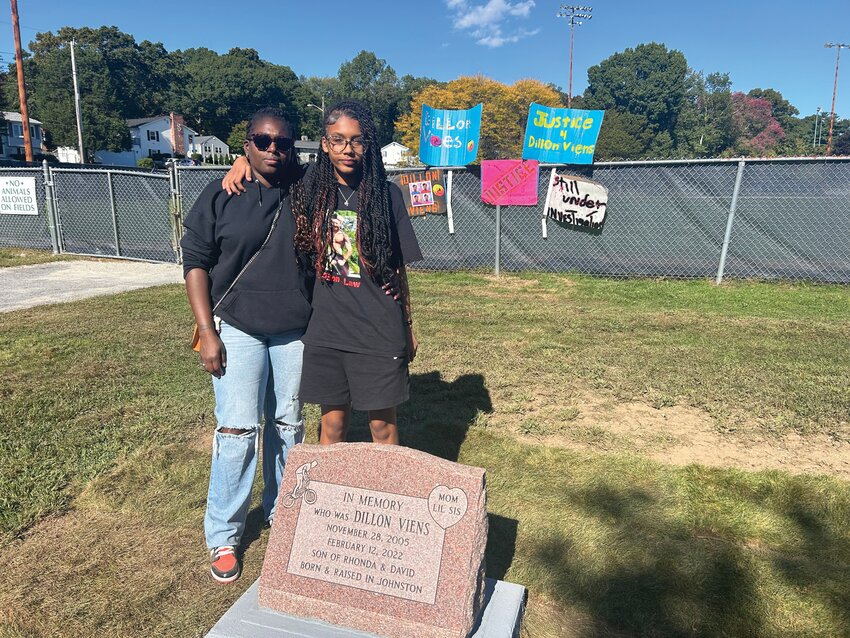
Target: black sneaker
column 224, row 564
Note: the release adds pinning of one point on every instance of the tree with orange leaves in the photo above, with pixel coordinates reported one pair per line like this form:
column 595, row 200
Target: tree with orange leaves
column 503, row 117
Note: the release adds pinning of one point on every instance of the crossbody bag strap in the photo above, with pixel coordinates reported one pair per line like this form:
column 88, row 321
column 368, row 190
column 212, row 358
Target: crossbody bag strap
column 253, row 257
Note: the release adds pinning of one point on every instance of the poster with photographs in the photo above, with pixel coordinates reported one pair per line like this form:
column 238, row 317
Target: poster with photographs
column 424, row 192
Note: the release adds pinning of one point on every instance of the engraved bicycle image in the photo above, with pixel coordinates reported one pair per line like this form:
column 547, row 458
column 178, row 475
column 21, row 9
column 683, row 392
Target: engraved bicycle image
column 302, row 486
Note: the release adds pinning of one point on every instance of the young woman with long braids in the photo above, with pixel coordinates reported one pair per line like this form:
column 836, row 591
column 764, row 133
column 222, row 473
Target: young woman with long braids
column 360, row 338
column 249, row 278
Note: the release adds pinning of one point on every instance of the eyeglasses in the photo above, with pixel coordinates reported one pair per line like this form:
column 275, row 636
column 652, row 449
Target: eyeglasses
column 338, row 144
column 263, row 141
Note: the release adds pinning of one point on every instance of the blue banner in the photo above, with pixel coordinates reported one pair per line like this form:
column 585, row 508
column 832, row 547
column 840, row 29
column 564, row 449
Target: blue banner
column 449, row 138
column 561, row 136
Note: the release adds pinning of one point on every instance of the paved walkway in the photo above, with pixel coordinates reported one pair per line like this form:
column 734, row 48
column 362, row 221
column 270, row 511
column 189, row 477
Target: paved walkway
column 60, row 281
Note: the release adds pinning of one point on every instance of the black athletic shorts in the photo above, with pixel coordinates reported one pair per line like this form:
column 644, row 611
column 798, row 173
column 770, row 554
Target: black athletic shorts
column 368, row 382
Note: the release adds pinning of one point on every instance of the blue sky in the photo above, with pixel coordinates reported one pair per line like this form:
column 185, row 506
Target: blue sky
column 776, row 44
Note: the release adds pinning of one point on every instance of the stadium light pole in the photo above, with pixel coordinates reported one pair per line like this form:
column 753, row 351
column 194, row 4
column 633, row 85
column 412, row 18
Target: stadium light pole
column 576, row 15
column 830, row 45
column 815, row 135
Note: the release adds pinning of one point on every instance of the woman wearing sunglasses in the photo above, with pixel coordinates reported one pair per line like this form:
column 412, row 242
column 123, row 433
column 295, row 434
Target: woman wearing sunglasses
column 249, row 280
column 360, row 338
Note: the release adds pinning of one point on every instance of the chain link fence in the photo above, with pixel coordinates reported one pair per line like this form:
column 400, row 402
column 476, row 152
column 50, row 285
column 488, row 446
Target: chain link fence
column 787, row 219
column 26, row 231
column 114, row 213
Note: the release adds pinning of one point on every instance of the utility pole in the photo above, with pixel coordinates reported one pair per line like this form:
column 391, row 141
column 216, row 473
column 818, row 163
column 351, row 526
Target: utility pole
column 22, row 89
column 830, row 45
column 576, row 15
column 77, row 105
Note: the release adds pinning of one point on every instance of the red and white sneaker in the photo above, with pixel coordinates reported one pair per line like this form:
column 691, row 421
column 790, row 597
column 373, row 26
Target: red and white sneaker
column 224, row 564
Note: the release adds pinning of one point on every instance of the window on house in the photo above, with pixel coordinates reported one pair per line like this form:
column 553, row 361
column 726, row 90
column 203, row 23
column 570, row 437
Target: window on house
column 191, row 140
column 153, row 136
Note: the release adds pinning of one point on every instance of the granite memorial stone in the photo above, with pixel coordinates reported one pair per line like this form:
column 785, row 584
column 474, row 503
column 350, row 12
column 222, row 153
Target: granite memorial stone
column 378, row 538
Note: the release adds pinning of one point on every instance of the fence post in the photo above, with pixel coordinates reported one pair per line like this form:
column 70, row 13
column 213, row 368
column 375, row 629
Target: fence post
column 176, row 211
column 114, row 215
column 52, row 226
column 498, row 238
column 729, row 221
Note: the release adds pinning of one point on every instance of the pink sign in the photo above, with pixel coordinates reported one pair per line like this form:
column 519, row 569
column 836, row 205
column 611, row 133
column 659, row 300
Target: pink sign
column 509, row 182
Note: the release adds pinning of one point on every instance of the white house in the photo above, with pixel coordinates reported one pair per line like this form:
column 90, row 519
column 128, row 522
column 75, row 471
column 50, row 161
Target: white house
column 164, row 135
column 12, row 136
column 394, row 154
column 306, row 150
column 208, row 146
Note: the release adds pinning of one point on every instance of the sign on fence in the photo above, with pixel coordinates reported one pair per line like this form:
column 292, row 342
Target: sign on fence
column 17, row 196
column 509, row 182
column 424, row 192
column 576, row 201
column 561, row 136
column 449, row 138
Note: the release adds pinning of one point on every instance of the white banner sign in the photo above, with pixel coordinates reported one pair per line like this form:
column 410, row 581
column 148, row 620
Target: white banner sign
column 17, row 196
column 575, row 201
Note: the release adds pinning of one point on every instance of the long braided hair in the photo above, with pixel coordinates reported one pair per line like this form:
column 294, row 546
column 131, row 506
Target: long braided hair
column 374, row 238
column 293, row 172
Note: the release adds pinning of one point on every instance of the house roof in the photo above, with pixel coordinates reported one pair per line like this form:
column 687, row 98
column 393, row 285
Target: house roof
column 145, row 120
column 203, row 139
column 306, row 145
column 11, row 116
column 391, row 144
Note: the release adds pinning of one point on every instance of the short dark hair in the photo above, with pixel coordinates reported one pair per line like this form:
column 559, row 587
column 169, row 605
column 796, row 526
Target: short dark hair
column 268, row 113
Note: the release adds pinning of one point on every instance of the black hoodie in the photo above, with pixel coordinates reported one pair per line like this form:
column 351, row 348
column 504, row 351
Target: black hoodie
column 223, row 231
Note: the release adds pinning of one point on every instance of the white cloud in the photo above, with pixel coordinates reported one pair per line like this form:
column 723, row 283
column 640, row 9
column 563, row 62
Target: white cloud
column 496, row 39
column 484, row 22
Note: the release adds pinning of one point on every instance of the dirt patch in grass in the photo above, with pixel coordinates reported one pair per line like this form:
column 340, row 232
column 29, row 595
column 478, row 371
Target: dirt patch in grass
column 682, row 435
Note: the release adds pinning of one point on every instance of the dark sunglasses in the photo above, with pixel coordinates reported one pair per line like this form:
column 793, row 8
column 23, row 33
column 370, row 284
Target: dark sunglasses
column 263, row 141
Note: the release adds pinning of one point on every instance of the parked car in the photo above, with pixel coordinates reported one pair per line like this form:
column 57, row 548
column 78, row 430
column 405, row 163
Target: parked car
column 182, row 161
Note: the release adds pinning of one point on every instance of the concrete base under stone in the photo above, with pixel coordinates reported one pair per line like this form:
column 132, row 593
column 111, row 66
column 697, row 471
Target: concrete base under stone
column 503, row 607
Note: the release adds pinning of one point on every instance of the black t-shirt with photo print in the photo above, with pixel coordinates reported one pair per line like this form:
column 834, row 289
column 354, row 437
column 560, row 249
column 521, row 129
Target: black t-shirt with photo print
column 350, row 311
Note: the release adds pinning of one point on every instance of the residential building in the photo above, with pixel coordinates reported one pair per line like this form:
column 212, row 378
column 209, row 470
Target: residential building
column 395, row 154
column 208, row 146
column 12, row 136
column 307, row 151
column 160, row 136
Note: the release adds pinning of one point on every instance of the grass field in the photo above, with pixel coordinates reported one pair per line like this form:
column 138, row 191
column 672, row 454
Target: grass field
column 108, row 422
column 28, row 256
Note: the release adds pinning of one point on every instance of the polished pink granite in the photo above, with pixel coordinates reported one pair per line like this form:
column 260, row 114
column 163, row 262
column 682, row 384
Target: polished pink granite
column 379, row 538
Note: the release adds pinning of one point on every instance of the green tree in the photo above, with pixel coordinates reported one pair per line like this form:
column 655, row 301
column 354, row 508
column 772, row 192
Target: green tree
column 237, row 136
column 118, row 79
column 502, row 121
column 623, row 135
column 649, row 81
column 317, row 91
column 704, row 125
column 223, row 89
column 372, row 81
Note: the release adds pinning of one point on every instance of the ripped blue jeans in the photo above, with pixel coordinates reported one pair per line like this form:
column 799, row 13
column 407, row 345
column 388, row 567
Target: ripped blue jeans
column 261, row 382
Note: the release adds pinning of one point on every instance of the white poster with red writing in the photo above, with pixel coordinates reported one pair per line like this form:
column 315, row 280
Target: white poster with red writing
column 575, row 201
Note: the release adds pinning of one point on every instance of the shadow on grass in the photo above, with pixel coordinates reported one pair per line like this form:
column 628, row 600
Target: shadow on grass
column 830, row 572
column 253, row 528
column 501, row 545
column 438, row 415
column 649, row 574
